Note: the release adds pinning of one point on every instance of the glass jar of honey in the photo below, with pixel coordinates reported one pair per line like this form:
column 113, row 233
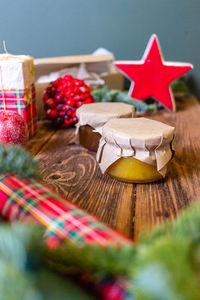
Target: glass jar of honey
column 93, row 116
column 135, row 150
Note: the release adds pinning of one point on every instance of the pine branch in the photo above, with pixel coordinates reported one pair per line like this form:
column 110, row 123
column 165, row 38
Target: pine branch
column 100, row 261
column 16, row 160
column 106, row 95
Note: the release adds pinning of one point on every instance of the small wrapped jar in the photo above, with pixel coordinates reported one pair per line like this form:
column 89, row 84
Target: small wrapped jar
column 93, row 116
column 135, row 150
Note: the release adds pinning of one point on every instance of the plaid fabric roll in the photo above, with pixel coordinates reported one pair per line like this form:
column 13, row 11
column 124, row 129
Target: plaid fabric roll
column 23, row 102
column 25, row 201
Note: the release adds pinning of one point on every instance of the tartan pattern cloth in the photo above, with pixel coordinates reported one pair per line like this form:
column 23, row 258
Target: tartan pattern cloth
column 118, row 289
column 25, row 201
column 23, row 102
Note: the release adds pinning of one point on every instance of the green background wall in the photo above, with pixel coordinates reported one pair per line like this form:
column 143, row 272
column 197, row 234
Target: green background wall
column 65, row 27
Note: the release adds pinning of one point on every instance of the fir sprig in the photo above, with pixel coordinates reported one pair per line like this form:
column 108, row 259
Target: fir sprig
column 179, row 86
column 100, row 261
column 16, row 160
column 168, row 260
column 18, row 246
column 106, row 95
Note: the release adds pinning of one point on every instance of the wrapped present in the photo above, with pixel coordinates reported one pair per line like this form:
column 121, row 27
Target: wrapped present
column 17, row 90
column 23, row 200
column 23, row 102
column 16, row 72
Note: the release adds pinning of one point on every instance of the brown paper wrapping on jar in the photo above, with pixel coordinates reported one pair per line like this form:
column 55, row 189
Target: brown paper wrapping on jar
column 144, row 139
column 97, row 114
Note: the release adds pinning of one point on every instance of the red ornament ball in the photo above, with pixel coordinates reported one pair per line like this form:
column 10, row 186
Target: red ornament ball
column 63, row 97
column 13, row 129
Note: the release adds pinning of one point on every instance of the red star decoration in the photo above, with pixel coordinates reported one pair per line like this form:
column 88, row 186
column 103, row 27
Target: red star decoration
column 151, row 76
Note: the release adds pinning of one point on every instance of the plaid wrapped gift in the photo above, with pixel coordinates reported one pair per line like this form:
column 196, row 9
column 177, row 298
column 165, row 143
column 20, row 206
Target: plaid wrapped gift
column 23, row 102
column 23, row 200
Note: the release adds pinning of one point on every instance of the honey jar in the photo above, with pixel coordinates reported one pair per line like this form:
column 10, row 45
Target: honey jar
column 135, row 150
column 93, row 116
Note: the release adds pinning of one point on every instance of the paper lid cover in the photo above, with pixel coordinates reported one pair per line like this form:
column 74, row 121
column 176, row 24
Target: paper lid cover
column 97, row 114
column 142, row 138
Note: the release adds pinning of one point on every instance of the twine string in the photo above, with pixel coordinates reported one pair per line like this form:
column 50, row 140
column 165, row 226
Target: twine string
column 4, row 47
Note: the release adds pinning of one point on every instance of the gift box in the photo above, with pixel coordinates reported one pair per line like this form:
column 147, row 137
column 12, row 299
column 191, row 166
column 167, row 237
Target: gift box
column 17, row 90
column 16, row 72
column 22, row 200
column 23, row 102
column 95, row 70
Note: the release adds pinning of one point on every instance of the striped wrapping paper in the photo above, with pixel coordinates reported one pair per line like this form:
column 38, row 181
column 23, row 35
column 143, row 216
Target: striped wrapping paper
column 22, row 200
column 23, row 102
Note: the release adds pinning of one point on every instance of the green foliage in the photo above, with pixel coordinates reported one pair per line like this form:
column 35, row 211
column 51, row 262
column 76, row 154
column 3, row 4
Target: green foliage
column 179, row 86
column 18, row 246
column 168, row 260
column 171, row 259
column 106, row 95
column 101, row 261
column 23, row 275
column 16, row 160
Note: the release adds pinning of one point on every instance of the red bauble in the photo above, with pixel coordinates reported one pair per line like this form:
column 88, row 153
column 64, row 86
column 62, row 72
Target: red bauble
column 13, row 129
column 63, row 97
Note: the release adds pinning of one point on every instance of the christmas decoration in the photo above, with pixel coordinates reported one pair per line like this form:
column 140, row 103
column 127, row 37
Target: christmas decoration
column 63, row 97
column 13, row 129
column 23, row 102
column 164, row 262
column 68, row 228
column 151, row 76
column 17, row 90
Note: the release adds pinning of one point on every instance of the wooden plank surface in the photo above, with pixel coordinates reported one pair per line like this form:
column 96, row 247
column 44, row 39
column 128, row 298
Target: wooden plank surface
column 73, row 172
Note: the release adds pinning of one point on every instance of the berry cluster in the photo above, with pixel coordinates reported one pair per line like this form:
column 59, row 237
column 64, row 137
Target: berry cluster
column 63, row 97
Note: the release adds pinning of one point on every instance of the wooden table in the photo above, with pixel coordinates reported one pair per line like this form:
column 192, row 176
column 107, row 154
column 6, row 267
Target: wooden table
column 73, row 172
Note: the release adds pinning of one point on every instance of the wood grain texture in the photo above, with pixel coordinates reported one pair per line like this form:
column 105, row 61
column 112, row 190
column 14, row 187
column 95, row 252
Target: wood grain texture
column 73, row 172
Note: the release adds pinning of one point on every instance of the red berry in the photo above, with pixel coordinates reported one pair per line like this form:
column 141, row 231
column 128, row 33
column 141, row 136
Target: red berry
column 68, row 93
column 59, row 107
column 51, row 114
column 65, row 108
column 75, row 120
column 69, row 112
column 67, row 77
column 59, row 98
column 76, row 89
column 78, row 103
column 51, row 103
column 61, row 113
column 70, row 102
column 60, row 88
column 88, row 100
column 45, row 97
column 76, row 97
column 82, row 96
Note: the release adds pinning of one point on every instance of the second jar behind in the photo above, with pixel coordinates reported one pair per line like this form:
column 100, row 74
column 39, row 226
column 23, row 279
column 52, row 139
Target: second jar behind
column 92, row 118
